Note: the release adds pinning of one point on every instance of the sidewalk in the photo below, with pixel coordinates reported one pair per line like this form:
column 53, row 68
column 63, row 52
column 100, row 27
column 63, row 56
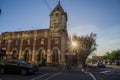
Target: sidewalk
column 113, row 66
column 73, row 74
column 51, row 68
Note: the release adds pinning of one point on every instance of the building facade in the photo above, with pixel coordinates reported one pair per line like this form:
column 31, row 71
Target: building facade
column 36, row 45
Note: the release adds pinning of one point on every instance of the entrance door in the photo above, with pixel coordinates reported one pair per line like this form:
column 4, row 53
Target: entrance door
column 55, row 56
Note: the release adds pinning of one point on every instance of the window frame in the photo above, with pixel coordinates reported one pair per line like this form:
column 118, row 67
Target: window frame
column 42, row 41
column 27, row 41
column 5, row 42
column 16, row 41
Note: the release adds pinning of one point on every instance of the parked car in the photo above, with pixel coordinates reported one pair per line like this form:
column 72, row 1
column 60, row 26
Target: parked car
column 17, row 66
column 101, row 64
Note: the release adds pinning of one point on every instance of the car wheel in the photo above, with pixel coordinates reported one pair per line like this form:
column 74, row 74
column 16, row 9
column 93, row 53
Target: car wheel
column 2, row 71
column 23, row 72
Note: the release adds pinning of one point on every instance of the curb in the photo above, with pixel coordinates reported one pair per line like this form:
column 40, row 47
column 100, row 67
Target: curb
column 86, row 71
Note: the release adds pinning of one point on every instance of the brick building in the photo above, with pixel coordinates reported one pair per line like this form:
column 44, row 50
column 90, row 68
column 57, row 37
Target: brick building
column 34, row 45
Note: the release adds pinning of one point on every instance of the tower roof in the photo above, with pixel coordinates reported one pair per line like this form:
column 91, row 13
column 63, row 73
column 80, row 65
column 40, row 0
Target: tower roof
column 58, row 7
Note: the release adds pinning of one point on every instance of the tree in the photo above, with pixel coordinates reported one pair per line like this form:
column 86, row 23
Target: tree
column 85, row 46
column 113, row 56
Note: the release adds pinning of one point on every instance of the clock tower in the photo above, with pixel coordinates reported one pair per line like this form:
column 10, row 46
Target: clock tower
column 58, row 35
column 58, row 18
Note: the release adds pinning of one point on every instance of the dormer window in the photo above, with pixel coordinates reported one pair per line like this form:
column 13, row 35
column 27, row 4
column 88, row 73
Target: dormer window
column 57, row 8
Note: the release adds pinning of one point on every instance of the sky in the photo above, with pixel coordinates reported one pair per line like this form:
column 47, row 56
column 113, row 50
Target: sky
column 84, row 16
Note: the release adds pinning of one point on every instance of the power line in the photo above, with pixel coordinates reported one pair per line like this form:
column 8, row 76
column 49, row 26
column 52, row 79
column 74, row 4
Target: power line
column 47, row 4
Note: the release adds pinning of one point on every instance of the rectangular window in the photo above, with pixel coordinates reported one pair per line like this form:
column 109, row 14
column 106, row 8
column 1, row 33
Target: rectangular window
column 5, row 42
column 42, row 41
column 28, row 42
column 16, row 42
column 56, row 41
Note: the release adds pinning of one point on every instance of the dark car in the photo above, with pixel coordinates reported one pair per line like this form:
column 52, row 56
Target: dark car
column 17, row 66
column 101, row 64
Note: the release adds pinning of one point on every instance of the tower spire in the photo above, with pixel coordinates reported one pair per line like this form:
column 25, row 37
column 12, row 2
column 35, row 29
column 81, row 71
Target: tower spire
column 58, row 7
column 58, row 1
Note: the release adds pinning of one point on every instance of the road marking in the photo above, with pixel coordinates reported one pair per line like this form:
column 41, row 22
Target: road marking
column 92, row 76
column 53, row 75
column 105, row 71
column 39, row 76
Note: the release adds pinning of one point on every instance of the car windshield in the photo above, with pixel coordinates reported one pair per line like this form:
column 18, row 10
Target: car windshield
column 22, row 62
column 101, row 62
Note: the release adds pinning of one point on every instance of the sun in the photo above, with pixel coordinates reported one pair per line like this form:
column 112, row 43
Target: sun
column 74, row 44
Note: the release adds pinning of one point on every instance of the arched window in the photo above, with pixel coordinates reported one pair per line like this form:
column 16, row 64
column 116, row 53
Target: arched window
column 14, row 54
column 55, row 56
column 26, row 55
column 40, row 55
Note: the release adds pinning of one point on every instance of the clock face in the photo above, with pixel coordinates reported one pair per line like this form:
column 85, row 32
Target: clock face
column 57, row 14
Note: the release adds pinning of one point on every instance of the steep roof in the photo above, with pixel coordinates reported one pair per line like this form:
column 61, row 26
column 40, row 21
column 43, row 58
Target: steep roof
column 30, row 32
column 58, row 7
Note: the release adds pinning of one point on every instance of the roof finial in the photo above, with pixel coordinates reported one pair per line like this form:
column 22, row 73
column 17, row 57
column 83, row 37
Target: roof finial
column 58, row 1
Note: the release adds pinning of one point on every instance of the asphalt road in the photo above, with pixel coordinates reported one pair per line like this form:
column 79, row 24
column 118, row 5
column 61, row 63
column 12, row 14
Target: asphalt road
column 108, row 73
column 50, row 74
column 72, row 75
column 43, row 71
